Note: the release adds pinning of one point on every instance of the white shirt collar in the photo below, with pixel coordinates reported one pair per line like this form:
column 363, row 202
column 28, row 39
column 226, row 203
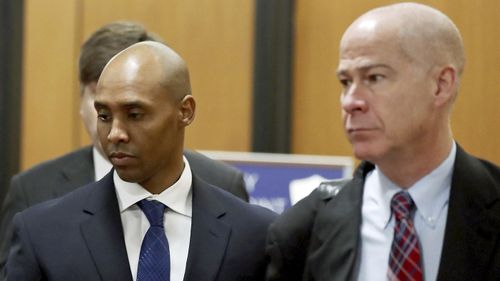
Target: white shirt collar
column 429, row 201
column 101, row 165
column 177, row 197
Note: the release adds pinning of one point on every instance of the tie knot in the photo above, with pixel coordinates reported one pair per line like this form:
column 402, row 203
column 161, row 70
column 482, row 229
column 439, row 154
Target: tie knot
column 153, row 210
column 402, row 205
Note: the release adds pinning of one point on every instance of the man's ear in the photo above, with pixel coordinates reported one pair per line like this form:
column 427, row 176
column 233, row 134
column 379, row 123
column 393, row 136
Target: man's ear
column 447, row 85
column 187, row 110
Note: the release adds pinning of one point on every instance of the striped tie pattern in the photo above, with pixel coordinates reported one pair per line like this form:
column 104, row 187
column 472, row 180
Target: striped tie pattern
column 154, row 259
column 405, row 259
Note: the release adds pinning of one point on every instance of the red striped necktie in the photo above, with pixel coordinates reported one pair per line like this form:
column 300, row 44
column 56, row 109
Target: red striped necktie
column 405, row 262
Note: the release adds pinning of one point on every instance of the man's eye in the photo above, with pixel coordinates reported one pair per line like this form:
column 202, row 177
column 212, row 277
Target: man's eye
column 345, row 82
column 135, row 115
column 103, row 117
column 375, row 78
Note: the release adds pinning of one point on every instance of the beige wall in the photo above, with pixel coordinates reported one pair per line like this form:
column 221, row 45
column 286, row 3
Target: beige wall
column 316, row 107
column 216, row 39
column 50, row 111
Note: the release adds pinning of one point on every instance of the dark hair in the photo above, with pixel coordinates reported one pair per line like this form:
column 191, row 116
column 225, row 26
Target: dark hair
column 105, row 43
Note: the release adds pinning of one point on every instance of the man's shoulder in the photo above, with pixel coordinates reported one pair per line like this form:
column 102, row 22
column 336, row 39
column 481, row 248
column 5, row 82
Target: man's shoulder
column 217, row 173
column 213, row 171
column 289, row 237
column 490, row 169
column 74, row 199
column 50, row 167
column 300, row 217
column 235, row 207
column 54, row 211
column 196, row 158
column 471, row 168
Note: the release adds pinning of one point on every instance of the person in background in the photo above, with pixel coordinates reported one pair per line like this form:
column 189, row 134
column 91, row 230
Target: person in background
column 151, row 217
column 59, row 176
column 418, row 207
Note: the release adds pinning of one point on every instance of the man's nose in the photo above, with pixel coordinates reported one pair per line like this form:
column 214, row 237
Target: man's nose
column 118, row 132
column 353, row 99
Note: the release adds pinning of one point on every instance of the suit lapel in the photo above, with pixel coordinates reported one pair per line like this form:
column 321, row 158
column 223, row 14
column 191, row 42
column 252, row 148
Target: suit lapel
column 209, row 234
column 335, row 245
column 472, row 231
column 103, row 232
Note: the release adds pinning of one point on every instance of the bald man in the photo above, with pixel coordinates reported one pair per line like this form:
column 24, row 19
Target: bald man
column 151, row 217
column 418, row 207
column 56, row 177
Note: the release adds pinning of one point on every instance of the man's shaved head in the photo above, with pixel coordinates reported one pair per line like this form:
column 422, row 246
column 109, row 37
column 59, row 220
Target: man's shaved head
column 425, row 34
column 153, row 62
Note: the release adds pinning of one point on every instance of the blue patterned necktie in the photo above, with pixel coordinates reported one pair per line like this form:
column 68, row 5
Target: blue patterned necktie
column 154, row 260
column 405, row 262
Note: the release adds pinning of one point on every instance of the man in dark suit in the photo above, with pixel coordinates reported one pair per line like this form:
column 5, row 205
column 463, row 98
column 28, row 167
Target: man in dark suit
column 59, row 176
column 419, row 207
column 110, row 230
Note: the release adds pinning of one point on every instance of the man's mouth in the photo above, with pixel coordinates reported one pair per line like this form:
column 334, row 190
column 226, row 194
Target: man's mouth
column 120, row 158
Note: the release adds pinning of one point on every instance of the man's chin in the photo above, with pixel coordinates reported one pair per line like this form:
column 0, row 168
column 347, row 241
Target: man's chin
column 365, row 153
column 127, row 175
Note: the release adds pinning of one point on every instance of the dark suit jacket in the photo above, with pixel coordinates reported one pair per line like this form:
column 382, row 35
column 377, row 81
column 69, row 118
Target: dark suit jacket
column 79, row 237
column 57, row 177
column 319, row 238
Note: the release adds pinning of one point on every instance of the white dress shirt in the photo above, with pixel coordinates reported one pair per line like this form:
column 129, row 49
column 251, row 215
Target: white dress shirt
column 101, row 165
column 430, row 194
column 177, row 220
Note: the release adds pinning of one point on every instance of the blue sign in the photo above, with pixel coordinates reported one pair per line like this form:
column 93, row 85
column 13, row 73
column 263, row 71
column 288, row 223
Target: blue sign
column 277, row 181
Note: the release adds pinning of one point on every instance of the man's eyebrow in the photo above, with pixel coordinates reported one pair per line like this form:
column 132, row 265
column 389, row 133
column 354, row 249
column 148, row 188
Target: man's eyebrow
column 126, row 104
column 98, row 104
column 363, row 68
column 376, row 65
column 133, row 104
